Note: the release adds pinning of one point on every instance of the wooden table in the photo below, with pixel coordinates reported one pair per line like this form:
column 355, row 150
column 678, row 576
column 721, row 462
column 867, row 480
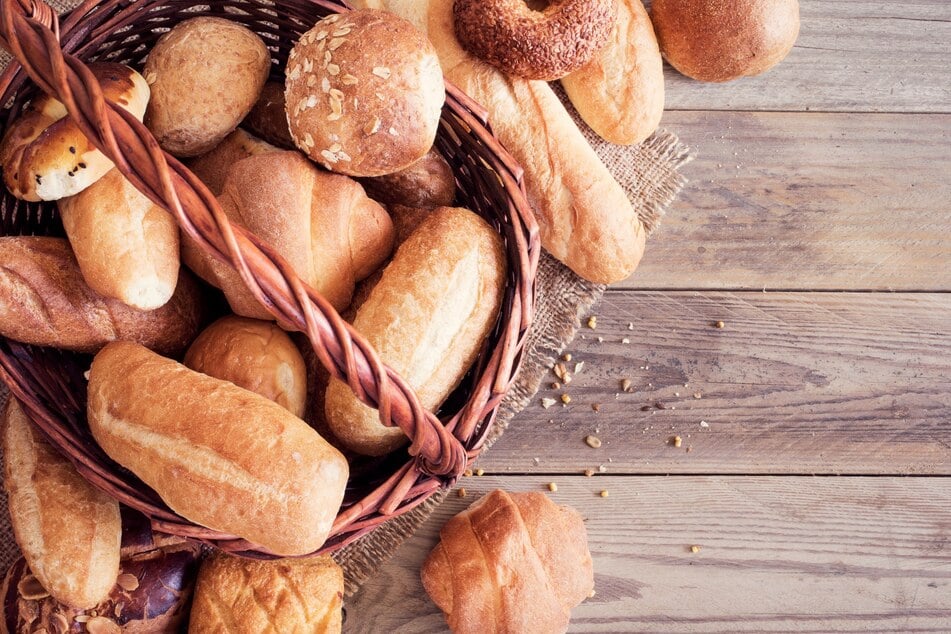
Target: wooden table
column 814, row 471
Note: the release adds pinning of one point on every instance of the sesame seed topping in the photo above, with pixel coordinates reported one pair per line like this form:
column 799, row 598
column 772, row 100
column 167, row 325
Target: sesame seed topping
column 348, row 80
column 336, row 43
column 333, row 69
column 381, row 71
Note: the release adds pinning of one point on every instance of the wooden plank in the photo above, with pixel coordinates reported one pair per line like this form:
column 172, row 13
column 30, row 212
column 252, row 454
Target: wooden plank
column 807, row 201
column 851, row 56
column 777, row 554
column 794, row 383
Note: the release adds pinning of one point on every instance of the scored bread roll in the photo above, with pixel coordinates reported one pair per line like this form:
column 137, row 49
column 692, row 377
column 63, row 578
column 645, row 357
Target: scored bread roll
column 620, row 92
column 68, row 530
column 217, row 454
column 126, row 245
column 255, row 355
column 212, row 167
column 44, row 154
column 45, row 301
column 243, row 596
column 427, row 318
column 323, row 224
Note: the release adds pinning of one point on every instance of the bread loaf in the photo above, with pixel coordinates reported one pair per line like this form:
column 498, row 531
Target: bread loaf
column 126, row 245
column 511, row 562
column 427, row 319
column 255, row 355
column 323, row 224
column 45, row 301
column 213, row 166
column 217, row 454
column 68, row 530
column 242, row 596
column 620, row 92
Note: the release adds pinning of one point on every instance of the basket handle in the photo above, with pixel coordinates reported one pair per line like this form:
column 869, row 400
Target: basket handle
column 29, row 30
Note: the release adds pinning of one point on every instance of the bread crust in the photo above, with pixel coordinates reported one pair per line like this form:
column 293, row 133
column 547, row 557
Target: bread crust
column 217, row 454
column 68, row 530
column 429, row 182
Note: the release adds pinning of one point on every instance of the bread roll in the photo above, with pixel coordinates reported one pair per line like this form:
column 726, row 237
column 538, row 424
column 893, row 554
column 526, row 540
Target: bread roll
column 429, row 182
column 268, row 117
column 364, row 93
column 126, row 245
column 511, row 562
column 206, row 74
column 620, row 92
column 217, row 454
column 427, row 318
column 255, row 355
column 44, row 154
column 242, row 596
column 717, row 41
column 68, row 530
column 45, row 301
column 212, row 167
column 323, row 224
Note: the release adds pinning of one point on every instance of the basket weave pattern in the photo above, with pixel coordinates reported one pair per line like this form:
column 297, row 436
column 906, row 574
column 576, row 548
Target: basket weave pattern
column 50, row 383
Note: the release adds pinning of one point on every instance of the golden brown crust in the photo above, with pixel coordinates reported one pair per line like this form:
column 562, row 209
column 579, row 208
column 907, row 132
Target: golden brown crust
column 722, row 40
column 429, row 182
column 427, row 318
column 213, row 166
column 219, row 455
column 44, row 154
column 126, row 245
column 510, row 563
column 68, row 530
column 546, row 44
column 268, row 117
column 255, row 355
column 292, row 596
column 620, row 92
column 364, row 93
column 206, row 74
column 45, row 301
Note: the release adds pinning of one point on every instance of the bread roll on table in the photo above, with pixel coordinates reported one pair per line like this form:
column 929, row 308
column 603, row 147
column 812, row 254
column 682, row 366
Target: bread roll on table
column 217, row 454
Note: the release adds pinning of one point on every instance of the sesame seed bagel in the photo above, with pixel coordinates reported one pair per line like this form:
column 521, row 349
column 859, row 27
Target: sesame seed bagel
column 547, row 44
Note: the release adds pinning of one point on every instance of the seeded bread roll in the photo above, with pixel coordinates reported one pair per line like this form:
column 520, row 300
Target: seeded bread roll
column 364, row 93
column 243, row 596
column 206, row 74
column 429, row 182
column 68, row 530
column 255, row 355
column 44, row 154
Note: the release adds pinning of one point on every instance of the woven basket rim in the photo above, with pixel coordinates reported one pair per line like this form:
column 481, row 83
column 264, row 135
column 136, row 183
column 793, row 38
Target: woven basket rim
column 438, row 453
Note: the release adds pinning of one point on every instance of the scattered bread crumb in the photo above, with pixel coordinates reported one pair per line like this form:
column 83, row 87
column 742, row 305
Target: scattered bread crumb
column 565, row 399
column 592, row 322
column 676, row 441
column 552, row 487
column 604, row 493
column 548, row 402
column 592, row 441
column 704, row 424
column 480, row 472
column 695, row 549
column 719, row 324
column 596, row 407
column 467, row 473
column 566, row 356
column 625, row 385
column 588, row 473
column 461, row 492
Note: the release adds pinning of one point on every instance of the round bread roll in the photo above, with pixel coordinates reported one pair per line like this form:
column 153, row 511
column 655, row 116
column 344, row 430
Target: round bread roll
column 712, row 40
column 44, row 154
column 364, row 93
column 429, row 182
column 206, row 74
column 255, row 355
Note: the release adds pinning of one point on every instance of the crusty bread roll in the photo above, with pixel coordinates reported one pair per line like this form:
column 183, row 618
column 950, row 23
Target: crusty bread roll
column 126, row 245
column 364, row 93
column 212, row 167
column 717, row 41
column 68, row 530
column 217, row 454
column 45, row 301
column 323, row 224
column 44, row 154
column 427, row 319
column 255, row 355
column 206, row 74
column 268, row 117
column 243, row 596
column 429, row 182
column 511, row 562
column 620, row 92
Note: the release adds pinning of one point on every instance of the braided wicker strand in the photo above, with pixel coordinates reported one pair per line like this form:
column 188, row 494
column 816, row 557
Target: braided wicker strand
column 121, row 30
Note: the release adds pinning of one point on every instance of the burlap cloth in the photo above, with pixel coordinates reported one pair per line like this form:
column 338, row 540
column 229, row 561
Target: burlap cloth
column 650, row 175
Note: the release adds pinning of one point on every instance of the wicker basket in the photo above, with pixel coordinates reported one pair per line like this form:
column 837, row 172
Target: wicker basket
column 50, row 382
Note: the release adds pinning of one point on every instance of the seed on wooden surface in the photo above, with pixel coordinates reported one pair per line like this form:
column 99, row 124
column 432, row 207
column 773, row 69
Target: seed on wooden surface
column 604, row 493
column 719, row 324
column 566, row 356
column 695, row 549
column 560, row 370
column 592, row 441
column 596, row 407
column 579, row 367
column 602, row 468
column 698, row 395
column 592, row 322
column 704, row 424
column 625, row 385
column 588, row 473
column 676, row 441
column 552, row 487
column 555, row 385
column 625, row 340
column 461, row 492
column 565, row 399
column 660, row 405
column 467, row 473
column 480, row 472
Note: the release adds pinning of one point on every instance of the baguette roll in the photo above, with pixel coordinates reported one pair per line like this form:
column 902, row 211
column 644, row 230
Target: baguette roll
column 126, row 245
column 68, row 530
column 217, row 454
column 427, row 318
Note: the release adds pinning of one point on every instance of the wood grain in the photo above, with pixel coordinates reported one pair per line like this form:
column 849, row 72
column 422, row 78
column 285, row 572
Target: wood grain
column 778, row 554
column 851, row 56
column 794, row 383
column 807, row 201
